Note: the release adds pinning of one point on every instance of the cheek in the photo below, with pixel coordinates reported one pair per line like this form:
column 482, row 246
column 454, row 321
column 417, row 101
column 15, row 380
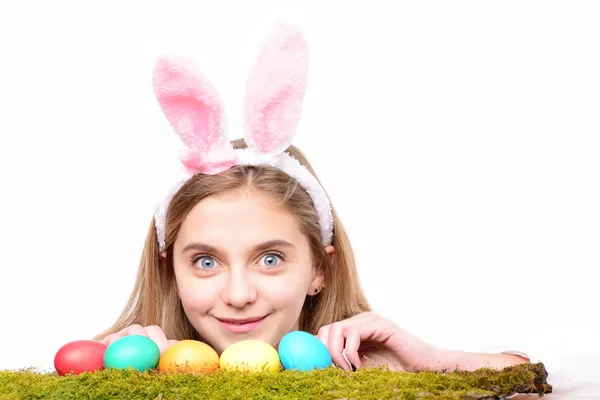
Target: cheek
column 197, row 295
column 286, row 291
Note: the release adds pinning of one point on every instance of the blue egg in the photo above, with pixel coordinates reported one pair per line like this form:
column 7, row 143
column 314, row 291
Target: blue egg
column 135, row 351
column 302, row 351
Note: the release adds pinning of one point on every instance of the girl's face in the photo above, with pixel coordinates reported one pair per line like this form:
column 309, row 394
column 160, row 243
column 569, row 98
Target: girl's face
column 243, row 268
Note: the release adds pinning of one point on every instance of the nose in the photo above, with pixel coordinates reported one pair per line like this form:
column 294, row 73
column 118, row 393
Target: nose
column 239, row 289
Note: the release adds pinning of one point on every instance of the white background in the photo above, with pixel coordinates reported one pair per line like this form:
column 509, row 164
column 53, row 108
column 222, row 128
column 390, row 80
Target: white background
column 458, row 142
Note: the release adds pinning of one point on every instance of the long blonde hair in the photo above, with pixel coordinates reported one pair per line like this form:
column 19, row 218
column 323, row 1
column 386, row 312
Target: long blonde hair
column 154, row 299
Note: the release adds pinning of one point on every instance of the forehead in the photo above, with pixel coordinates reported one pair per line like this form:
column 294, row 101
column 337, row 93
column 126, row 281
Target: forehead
column 240, row 216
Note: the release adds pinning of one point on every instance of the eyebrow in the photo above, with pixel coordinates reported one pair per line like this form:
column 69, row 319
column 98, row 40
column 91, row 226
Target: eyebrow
column 258, row 248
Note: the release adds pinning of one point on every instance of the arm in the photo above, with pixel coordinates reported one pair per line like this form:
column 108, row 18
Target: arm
column 450, row 360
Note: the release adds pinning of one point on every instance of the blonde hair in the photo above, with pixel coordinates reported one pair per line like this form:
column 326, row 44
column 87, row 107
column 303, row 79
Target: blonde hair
column 154, row 299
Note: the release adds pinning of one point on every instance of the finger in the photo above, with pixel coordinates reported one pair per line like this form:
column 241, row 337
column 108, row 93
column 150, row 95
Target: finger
column 134, row 330
column 107, row 339
column 335, row 345
column 351, row 349
column 113, row 337
column 157, row 335
column 130, row 330
column 360, row 320
column 171, row 342
column 323, row 335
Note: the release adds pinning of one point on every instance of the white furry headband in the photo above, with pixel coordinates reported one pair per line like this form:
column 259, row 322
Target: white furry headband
column 274, row 97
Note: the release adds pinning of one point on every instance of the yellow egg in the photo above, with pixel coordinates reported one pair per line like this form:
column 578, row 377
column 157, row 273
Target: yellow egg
column 251, row 355
column 189, row 356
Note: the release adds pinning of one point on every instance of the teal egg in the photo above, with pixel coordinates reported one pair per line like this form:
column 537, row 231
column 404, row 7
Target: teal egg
column 135, row 351
column 302, row 351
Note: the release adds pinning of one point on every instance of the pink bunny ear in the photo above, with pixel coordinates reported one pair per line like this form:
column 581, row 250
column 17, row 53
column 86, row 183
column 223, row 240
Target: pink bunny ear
column 193, row 108
column 275, row 91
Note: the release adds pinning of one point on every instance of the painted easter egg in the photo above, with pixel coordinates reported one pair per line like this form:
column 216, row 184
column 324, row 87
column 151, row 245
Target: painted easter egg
column 135, row 351
column 189, row 356
column 80, row 356
column 302, row 351
column 250, row 355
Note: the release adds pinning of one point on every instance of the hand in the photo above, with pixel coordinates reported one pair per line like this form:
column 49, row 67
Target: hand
column 368, row 338
column 153, row 332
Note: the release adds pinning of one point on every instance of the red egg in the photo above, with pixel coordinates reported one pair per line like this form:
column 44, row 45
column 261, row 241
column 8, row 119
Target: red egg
column 80, row 356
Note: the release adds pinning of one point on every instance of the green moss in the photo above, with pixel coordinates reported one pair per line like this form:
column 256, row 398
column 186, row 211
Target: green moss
column 332, row 383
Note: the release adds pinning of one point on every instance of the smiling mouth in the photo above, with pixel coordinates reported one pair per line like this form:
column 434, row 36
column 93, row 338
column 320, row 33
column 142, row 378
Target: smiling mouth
column 241, row 325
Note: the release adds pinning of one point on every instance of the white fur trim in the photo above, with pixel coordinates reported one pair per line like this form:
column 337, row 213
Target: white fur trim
column 284, row 162
column 160, row 215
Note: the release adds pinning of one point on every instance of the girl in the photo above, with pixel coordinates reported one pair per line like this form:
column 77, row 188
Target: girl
column 247, row 244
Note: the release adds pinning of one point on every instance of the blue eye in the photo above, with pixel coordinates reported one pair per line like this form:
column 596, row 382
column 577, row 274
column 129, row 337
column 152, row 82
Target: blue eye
column 271, row 260
column 205, row 262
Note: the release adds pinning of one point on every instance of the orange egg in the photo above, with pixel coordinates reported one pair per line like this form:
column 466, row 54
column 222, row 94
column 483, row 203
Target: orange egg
column 189, row 356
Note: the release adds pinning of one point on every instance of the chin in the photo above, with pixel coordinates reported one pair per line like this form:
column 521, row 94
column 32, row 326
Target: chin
column 227, row 341
column 223, row 336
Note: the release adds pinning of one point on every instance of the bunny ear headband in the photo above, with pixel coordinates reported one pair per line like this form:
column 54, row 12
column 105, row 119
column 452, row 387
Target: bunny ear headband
column 273, row 103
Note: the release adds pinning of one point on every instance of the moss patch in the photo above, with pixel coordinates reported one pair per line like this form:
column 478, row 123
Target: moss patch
column 332, row 383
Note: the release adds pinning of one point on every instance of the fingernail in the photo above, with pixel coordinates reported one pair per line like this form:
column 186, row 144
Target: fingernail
column 351, row 366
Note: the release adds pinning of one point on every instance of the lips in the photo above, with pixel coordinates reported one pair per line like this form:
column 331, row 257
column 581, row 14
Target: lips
column 241, row 321
column 239, row 325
